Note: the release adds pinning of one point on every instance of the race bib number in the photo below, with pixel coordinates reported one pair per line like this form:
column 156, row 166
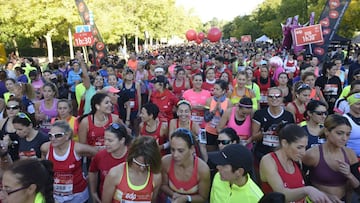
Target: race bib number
column 330, row 89
column 132, row 104
column 63, row 184
column 100, row 143
column 263, row 98
column 271, row 140
column 215, row 121
column 197, row 119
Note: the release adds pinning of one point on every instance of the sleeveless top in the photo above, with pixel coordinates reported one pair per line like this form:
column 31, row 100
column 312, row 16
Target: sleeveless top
column 178, row 91
column 263, row 89
column 322, row 174
column 14, row 147
column 313, row 94
column 235, row 98
column 126, row 192
column 354, row 140
column 132, row 94
column 95, row 135
column 299, row 117
column 291, row 181
column 243, row 130
column 211, row 125
column 45, row 125
column 188, row 187
column 68, row 176
column 156, row 135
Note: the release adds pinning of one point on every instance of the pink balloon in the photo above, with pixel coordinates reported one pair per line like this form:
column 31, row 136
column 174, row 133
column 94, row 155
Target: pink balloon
column 201, row 36
column 214, row 34
column 191, row 35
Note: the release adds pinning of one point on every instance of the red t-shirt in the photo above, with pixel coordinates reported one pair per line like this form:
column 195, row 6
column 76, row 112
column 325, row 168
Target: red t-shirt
column 102, row 162
column 165, row 101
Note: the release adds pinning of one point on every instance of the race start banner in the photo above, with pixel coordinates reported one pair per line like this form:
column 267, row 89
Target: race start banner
column 330, row 19
column 98, row 46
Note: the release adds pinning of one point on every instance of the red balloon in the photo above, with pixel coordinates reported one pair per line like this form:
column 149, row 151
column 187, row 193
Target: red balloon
column 201, row 36
column 198, row 41
column 214, row 34
column 191, row 35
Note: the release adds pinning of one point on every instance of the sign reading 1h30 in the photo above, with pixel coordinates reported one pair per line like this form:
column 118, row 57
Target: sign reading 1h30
column 83, row 36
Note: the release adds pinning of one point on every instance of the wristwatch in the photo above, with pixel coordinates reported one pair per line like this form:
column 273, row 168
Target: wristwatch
column 189, row 199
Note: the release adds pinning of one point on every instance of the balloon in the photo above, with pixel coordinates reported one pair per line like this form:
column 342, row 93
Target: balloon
column 201, row 36
column 198, row 41
column 214, row 34
column 191, row 35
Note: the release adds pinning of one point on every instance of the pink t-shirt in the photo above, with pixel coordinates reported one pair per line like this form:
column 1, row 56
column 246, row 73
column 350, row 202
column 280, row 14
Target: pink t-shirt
column 197, row 98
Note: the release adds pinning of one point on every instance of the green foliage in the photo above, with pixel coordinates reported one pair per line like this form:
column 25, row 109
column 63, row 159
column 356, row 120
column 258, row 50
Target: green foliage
column 266, row 19
column 115, row 19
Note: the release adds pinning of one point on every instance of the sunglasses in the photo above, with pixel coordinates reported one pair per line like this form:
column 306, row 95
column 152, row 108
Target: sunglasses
column 23, row 115
column 16, row 107
column 303, row 86
column 115, row 126
column 9, row 192
column 321, row 113
column 274, row 96
column 56, row 135
column 140, row 164
column 223, row 142
column 187, row 132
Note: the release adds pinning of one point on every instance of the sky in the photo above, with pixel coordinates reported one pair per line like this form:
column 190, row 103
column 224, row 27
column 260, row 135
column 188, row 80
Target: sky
column 221, row 9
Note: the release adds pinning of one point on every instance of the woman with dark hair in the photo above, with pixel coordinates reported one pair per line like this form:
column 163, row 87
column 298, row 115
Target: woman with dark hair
column 92, row 126
column 315, row 94
column 239, row 119
column 66, row 156
column 210, row 80
column 333, row 166
column 8, row 131
column 227, row 136
column 180, row 83
column 163, row 98
column 30, row 139
column 152, row 126
column 330, row 85
column 139, row 178
column 116, row 141
column 279, row 171
column 185, row 177
column 217, row 105
column 298, row 106
column 315, row 115
column 28, row 181
column 283, row 84
column 46, row 109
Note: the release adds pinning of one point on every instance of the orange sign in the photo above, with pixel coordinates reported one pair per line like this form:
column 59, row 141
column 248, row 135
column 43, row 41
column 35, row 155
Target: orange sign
column 246, row 38
column 308, row 35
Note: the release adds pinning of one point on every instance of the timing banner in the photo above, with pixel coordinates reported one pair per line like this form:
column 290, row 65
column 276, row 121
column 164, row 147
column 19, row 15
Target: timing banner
column 330, row 19
column 87, row 19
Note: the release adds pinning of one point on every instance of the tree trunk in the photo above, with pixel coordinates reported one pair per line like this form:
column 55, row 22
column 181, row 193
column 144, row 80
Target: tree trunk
column 49, row 47
column 71, row 47
column 16, row 47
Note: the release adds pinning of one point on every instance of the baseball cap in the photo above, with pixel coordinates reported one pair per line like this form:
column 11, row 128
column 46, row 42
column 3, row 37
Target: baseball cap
column 111, row 89
column 263, row 62
column 160, row 79
column 159, row 69
column 236, row 155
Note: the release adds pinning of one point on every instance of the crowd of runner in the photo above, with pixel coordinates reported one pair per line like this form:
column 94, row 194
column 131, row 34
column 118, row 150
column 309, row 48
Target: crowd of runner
column 224, row 122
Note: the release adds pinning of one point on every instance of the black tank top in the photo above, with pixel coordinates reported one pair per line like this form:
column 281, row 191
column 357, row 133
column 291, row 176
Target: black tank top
column 14, row 147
